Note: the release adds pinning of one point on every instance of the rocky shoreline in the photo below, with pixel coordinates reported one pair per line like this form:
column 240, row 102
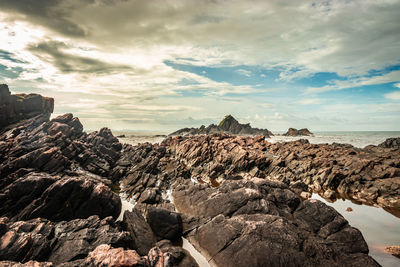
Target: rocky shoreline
column 238, row 200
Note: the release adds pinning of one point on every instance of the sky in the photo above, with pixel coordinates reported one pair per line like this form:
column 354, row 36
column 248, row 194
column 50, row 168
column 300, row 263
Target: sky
column 329, row 65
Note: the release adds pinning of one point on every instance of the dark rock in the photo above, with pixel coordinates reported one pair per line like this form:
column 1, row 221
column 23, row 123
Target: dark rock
column 178, row 256
column 142, row 236
column 228, row 125
column 65, row 241
column 272, row 223
column 164, row 223
column 295, row 132
column 391, row 143
column 18, row 107
column 52, row 197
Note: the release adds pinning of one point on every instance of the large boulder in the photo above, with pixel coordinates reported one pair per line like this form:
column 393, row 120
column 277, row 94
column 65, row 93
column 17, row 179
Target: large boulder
column 264, row 223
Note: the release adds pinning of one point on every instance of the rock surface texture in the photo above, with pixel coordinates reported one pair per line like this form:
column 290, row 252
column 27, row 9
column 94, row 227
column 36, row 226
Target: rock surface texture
column 236, row 199
column 228, row 125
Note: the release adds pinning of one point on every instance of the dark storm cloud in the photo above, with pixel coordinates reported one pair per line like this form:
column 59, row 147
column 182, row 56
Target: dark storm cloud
column 68, row 63
column 53, row 14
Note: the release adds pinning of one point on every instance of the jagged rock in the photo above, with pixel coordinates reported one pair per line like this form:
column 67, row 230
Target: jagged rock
column 105, row 255
column 369, row 176
column 65, row 241
column 273, row 225
column 21, row 106
column 295, row 132
column 52, row 197
column 391, row 143
column 228, row 125
column 140, row 232
column 164, row 223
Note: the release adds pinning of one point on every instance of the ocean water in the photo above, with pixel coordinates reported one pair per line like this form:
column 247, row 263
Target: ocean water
column 379, row 228
column 357, row 139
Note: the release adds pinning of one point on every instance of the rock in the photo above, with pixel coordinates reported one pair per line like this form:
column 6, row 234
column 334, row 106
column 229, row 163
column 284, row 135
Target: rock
column 61, row 242
column 391, row 143
column 105, row 255
column 14, row 108
column 52, row 197
column 141, row 234
column 271, row 222
column 394, row 250
column 164, row 223
column 228, row 125
column 27, row 264
column 178, row 256
column 295, row 132
column 349, row 209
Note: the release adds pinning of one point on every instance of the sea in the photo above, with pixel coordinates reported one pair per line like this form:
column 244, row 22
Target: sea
column 379, row 227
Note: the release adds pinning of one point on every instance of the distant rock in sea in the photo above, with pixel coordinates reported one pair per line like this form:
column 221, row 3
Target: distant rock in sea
column 295, row 132
column 228, row 125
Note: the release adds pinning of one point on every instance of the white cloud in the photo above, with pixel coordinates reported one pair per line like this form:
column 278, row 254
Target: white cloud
column 244, row 72
column 310, row 101
column 298, row 38
column 393, row 95
column 393, row 76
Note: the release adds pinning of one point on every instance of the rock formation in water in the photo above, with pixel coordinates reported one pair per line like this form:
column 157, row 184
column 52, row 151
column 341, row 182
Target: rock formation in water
column 237, row 199
column 228, row 125
column 295, row 132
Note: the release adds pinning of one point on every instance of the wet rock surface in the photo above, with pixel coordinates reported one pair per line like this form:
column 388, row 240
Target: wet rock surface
column 272, row 223
column 228, row 125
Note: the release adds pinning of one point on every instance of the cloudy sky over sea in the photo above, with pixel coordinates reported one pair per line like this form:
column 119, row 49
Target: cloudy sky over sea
column 162, row 65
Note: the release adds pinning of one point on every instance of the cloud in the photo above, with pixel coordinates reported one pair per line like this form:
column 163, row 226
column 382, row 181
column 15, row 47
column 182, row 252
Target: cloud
column 53, row 52
column 116, row 50
column 393, row 95
column 54, row 14
column 393, row 76
column 310, row 101
column 244, row 72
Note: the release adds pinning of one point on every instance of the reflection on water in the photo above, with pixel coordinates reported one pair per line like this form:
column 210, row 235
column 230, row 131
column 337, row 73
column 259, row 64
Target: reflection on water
column 379, row 228
column 200, row 259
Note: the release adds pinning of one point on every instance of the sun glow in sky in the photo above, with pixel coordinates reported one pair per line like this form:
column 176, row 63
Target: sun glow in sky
column 162, row 65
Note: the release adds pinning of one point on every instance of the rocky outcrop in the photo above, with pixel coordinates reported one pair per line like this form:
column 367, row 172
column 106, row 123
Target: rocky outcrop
column 365, row 175
column 235, row 198
column 66, row 241
column 228, row 125
column 295, row 132
column 37, row 195
column 22, row 106
column 391, row 143
column 257, row 222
